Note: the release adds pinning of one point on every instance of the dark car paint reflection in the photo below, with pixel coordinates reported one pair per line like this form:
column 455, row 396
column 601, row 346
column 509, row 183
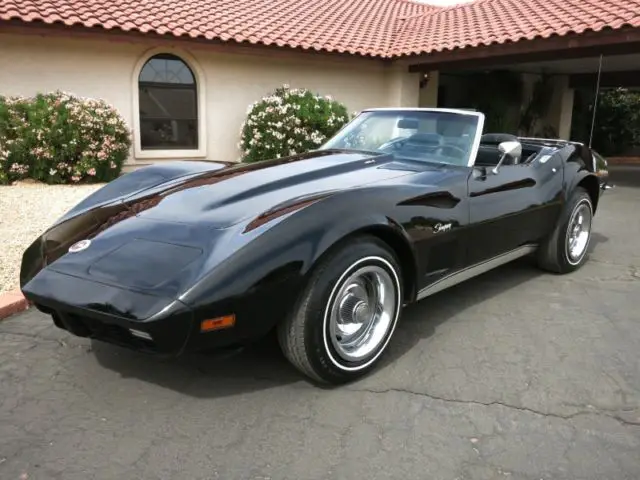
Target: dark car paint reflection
column 259, row 229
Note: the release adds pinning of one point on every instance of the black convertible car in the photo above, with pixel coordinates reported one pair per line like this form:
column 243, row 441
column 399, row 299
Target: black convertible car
column 325, row 247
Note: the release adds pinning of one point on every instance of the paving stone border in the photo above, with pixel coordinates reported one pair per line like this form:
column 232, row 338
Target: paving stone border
column 11, row 303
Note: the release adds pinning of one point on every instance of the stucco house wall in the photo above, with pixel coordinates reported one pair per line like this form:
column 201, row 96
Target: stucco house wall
column 228, row 82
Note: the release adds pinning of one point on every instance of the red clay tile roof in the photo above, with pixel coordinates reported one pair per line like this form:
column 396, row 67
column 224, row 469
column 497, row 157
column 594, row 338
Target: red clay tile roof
column 383, row 28
column 486, row 22
column 362, row 27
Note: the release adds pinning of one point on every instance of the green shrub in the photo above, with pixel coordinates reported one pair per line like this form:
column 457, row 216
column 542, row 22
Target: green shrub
column 61, row 138
column 617, row 127
column 289, row 122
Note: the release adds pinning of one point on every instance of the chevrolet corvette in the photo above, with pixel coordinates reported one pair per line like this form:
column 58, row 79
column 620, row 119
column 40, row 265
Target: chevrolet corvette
column 323, row 248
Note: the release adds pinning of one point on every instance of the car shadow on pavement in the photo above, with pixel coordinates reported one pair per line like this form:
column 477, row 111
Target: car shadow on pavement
column 595, row 241
column 262, row 365
column 204, row 375
column 420, row 320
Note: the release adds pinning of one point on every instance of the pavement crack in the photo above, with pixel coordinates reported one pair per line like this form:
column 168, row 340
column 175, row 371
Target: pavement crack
column 30, row 336
column 496, row 403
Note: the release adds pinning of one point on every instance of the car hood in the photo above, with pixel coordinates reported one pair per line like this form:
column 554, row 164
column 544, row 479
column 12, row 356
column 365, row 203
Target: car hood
column 133, row 240
column 229, row 195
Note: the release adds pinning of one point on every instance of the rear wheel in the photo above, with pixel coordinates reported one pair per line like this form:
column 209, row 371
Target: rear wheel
column 346, row 315
column 565, row 250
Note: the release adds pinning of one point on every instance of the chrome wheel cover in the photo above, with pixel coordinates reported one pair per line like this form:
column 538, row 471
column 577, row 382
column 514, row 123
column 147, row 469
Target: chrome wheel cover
column 362, row 312
column 578, row 232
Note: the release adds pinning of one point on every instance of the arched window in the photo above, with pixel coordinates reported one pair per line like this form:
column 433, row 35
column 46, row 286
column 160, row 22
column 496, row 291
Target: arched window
column 168, row 104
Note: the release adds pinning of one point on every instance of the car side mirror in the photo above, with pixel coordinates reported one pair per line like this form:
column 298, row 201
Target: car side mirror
column 511, row 149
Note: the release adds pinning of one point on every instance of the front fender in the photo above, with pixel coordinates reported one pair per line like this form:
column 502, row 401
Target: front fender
column 582, row 177
column 284, row 251
column 361, row 210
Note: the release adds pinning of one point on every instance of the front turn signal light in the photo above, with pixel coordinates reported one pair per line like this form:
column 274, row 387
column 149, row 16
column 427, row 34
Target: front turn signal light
column 218, row 323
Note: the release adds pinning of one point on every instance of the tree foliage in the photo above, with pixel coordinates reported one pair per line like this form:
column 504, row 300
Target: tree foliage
column 617, row 126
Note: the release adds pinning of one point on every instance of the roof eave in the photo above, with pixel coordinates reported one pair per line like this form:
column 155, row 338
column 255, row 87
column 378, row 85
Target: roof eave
column 39, row 27
column 607, row 41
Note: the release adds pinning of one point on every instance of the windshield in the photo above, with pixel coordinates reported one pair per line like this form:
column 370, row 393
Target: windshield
column 426, row 135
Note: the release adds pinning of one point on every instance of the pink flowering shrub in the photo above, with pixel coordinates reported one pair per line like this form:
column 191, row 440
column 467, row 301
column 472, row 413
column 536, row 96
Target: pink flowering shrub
column 61, row 138
column 289, row 122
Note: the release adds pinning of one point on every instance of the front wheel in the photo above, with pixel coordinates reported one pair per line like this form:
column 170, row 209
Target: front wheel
column 565, row 250
column 347, row 313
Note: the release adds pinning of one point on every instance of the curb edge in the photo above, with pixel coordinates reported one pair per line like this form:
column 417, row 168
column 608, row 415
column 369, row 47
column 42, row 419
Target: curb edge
column 11, row 303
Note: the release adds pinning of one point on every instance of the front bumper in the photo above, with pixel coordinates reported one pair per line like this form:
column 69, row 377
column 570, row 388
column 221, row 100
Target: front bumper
column 114, row 315
column 155, row 324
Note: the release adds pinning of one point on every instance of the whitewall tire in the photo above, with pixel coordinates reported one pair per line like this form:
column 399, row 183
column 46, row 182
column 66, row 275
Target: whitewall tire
column 345, row 318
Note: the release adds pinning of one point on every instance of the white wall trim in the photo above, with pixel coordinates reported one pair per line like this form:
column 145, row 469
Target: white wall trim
column 201, row 152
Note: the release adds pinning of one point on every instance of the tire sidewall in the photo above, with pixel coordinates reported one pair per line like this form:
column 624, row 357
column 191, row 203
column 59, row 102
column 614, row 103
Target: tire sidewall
column 324, row 357
column 579, row 198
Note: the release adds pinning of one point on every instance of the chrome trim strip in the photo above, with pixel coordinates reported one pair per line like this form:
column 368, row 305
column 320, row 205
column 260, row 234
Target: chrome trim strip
column 556, row 141
column 476, row 142
column 475, row 270
column 461, row 111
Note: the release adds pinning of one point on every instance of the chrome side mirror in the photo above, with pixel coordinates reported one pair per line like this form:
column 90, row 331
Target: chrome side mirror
column 508, row 149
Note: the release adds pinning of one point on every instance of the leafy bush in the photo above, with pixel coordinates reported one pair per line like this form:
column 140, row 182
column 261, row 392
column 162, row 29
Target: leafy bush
column 289, row 122
column 60, row 138
column 617, row 126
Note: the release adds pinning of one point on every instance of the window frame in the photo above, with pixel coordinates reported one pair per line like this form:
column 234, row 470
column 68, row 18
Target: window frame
column 160, row 153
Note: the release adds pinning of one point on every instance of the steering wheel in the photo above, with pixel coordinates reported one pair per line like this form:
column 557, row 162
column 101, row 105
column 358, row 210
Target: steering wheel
column 461, row 153
column 395, row 143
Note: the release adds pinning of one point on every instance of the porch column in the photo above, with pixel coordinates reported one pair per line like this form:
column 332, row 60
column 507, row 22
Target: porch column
column 561, row 109
column 403, row 87
column 429, row 92
column 566, row 114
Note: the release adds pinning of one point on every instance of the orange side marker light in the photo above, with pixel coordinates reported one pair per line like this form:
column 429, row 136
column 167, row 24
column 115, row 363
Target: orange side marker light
column 218, row 323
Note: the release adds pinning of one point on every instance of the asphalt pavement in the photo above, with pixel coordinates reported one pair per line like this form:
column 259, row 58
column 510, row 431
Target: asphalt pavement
column 516, row 374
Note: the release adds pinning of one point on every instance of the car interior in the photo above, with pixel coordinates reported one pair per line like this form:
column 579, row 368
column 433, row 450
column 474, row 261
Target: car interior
column 489, row 154
column 448, row 138
column 451, row 138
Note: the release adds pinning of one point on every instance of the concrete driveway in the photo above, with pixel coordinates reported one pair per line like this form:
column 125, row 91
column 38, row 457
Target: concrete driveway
column 514, row 375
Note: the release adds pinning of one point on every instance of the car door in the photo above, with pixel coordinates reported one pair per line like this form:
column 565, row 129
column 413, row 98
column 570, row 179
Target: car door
column 512, row 207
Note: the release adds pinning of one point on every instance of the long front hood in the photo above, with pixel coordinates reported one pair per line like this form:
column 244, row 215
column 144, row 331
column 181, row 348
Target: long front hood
column 230, row 195
column 162, row 238
column 137, row 269
column 143, row 256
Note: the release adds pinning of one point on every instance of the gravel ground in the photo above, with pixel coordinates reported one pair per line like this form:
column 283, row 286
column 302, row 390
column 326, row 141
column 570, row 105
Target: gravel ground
column 27, row 210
